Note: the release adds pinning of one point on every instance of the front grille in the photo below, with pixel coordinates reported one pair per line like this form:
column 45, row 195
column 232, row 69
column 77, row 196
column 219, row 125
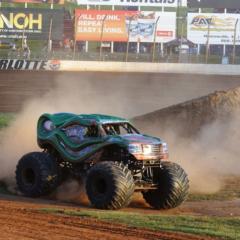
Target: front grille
column 160, row 151
column 156, row 149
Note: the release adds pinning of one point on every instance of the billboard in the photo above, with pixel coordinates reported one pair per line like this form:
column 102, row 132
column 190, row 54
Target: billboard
column 91, row 26
column 214, row 3
column 34, row 1
column 221, row 28
column 147, row 3
column 17, row 23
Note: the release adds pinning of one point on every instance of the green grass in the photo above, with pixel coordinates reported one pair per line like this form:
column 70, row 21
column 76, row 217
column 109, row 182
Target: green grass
column 227, row 228
column 5, row 119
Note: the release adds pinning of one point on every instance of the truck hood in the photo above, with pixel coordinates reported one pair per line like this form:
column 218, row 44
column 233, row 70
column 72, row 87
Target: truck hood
column 139, row 138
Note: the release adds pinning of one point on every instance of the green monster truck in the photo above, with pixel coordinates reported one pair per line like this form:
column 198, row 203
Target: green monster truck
column 110, row 154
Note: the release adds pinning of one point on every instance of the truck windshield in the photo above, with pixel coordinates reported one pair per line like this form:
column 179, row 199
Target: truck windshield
column 119, row 129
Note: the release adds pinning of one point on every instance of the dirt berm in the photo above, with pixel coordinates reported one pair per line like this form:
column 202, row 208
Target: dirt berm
column 188, row 118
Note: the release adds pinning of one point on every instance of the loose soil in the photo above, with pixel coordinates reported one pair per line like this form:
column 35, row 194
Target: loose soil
column 20, row 218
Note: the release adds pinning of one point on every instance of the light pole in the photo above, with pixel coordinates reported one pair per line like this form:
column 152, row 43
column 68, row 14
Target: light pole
column 50, row 36
column 129, row 31
column 23, row 33
column 207, row 43
column 75, row 34
column 154, row 40
column 101, row 37
column 184, row 19
column 234, row 42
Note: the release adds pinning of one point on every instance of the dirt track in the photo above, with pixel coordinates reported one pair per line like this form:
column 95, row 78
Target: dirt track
column 20, row 219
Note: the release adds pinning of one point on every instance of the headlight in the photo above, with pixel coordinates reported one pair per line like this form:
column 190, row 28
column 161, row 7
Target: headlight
column 163, row 148
column 140, row 149
column 147, row 149
column 135, row 148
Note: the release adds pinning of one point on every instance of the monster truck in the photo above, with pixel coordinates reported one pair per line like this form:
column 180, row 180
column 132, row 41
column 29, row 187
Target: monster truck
column 112, row 157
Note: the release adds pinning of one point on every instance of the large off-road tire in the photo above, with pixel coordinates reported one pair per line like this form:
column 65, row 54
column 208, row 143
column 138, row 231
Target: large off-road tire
column 109, row 185
column 173, row 186
column 37, row 174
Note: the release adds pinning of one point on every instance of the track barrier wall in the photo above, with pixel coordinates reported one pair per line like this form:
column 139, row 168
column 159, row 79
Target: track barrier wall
column 96, row 66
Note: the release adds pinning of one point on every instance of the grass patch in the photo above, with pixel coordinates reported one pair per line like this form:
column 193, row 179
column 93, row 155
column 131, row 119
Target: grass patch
column 5, row 119
column 227, row 228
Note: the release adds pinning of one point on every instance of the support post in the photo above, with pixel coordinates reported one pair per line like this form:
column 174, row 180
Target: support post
column 234, row 42
column 154, row 40
column 86, row 46
column 86, row 43
column 224, row 50
column 75, row 35
column 207, row 43
column 129, row 29
column 198, row 49
column 23, row 35
column 138, row 47
column 162, row 53
column 112, row 43
column 101, row 38
column 50, row 36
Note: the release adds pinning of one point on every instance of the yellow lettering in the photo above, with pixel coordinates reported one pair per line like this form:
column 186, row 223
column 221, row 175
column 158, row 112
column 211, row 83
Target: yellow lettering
column 21, row 21
column 37, row 21
column 5, row 20
column 25, row 22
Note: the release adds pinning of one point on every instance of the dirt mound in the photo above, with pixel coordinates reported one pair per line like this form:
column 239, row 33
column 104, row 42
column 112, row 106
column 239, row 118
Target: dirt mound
column 188, row 118
column 202, row 135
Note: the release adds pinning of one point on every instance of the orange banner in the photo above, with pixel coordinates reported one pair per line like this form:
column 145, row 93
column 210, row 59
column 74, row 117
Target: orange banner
column 105, row 25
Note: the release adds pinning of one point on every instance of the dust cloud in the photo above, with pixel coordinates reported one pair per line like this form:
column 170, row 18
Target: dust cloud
column 71, row 191
column 202, row 135
column 209, row 156
column 73, row 95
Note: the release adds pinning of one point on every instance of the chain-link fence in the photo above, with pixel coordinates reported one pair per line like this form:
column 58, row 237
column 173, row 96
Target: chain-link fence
column 80, row 55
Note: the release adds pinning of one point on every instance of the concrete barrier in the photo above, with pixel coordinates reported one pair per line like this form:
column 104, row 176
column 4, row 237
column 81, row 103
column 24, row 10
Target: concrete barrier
column 125, row 67
column 92, row 66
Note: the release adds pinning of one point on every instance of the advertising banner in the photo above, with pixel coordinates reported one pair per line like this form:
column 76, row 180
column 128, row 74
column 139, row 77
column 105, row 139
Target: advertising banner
column 17, row 23
column 94, row 25
column 16, row 64
column 221, row 28
column 34, row 1
column 214, row 3
column 147, row 3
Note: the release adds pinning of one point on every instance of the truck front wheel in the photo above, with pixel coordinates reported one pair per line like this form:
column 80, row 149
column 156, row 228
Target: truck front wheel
column 172, row 188
column 109, row 185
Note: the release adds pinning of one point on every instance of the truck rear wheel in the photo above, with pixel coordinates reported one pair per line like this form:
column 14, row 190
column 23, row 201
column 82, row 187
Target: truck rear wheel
column 109, row 185
column 172, row 189
column 37, row 174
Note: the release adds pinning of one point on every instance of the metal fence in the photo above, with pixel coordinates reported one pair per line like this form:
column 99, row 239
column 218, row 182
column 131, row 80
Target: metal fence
column 69, row 54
